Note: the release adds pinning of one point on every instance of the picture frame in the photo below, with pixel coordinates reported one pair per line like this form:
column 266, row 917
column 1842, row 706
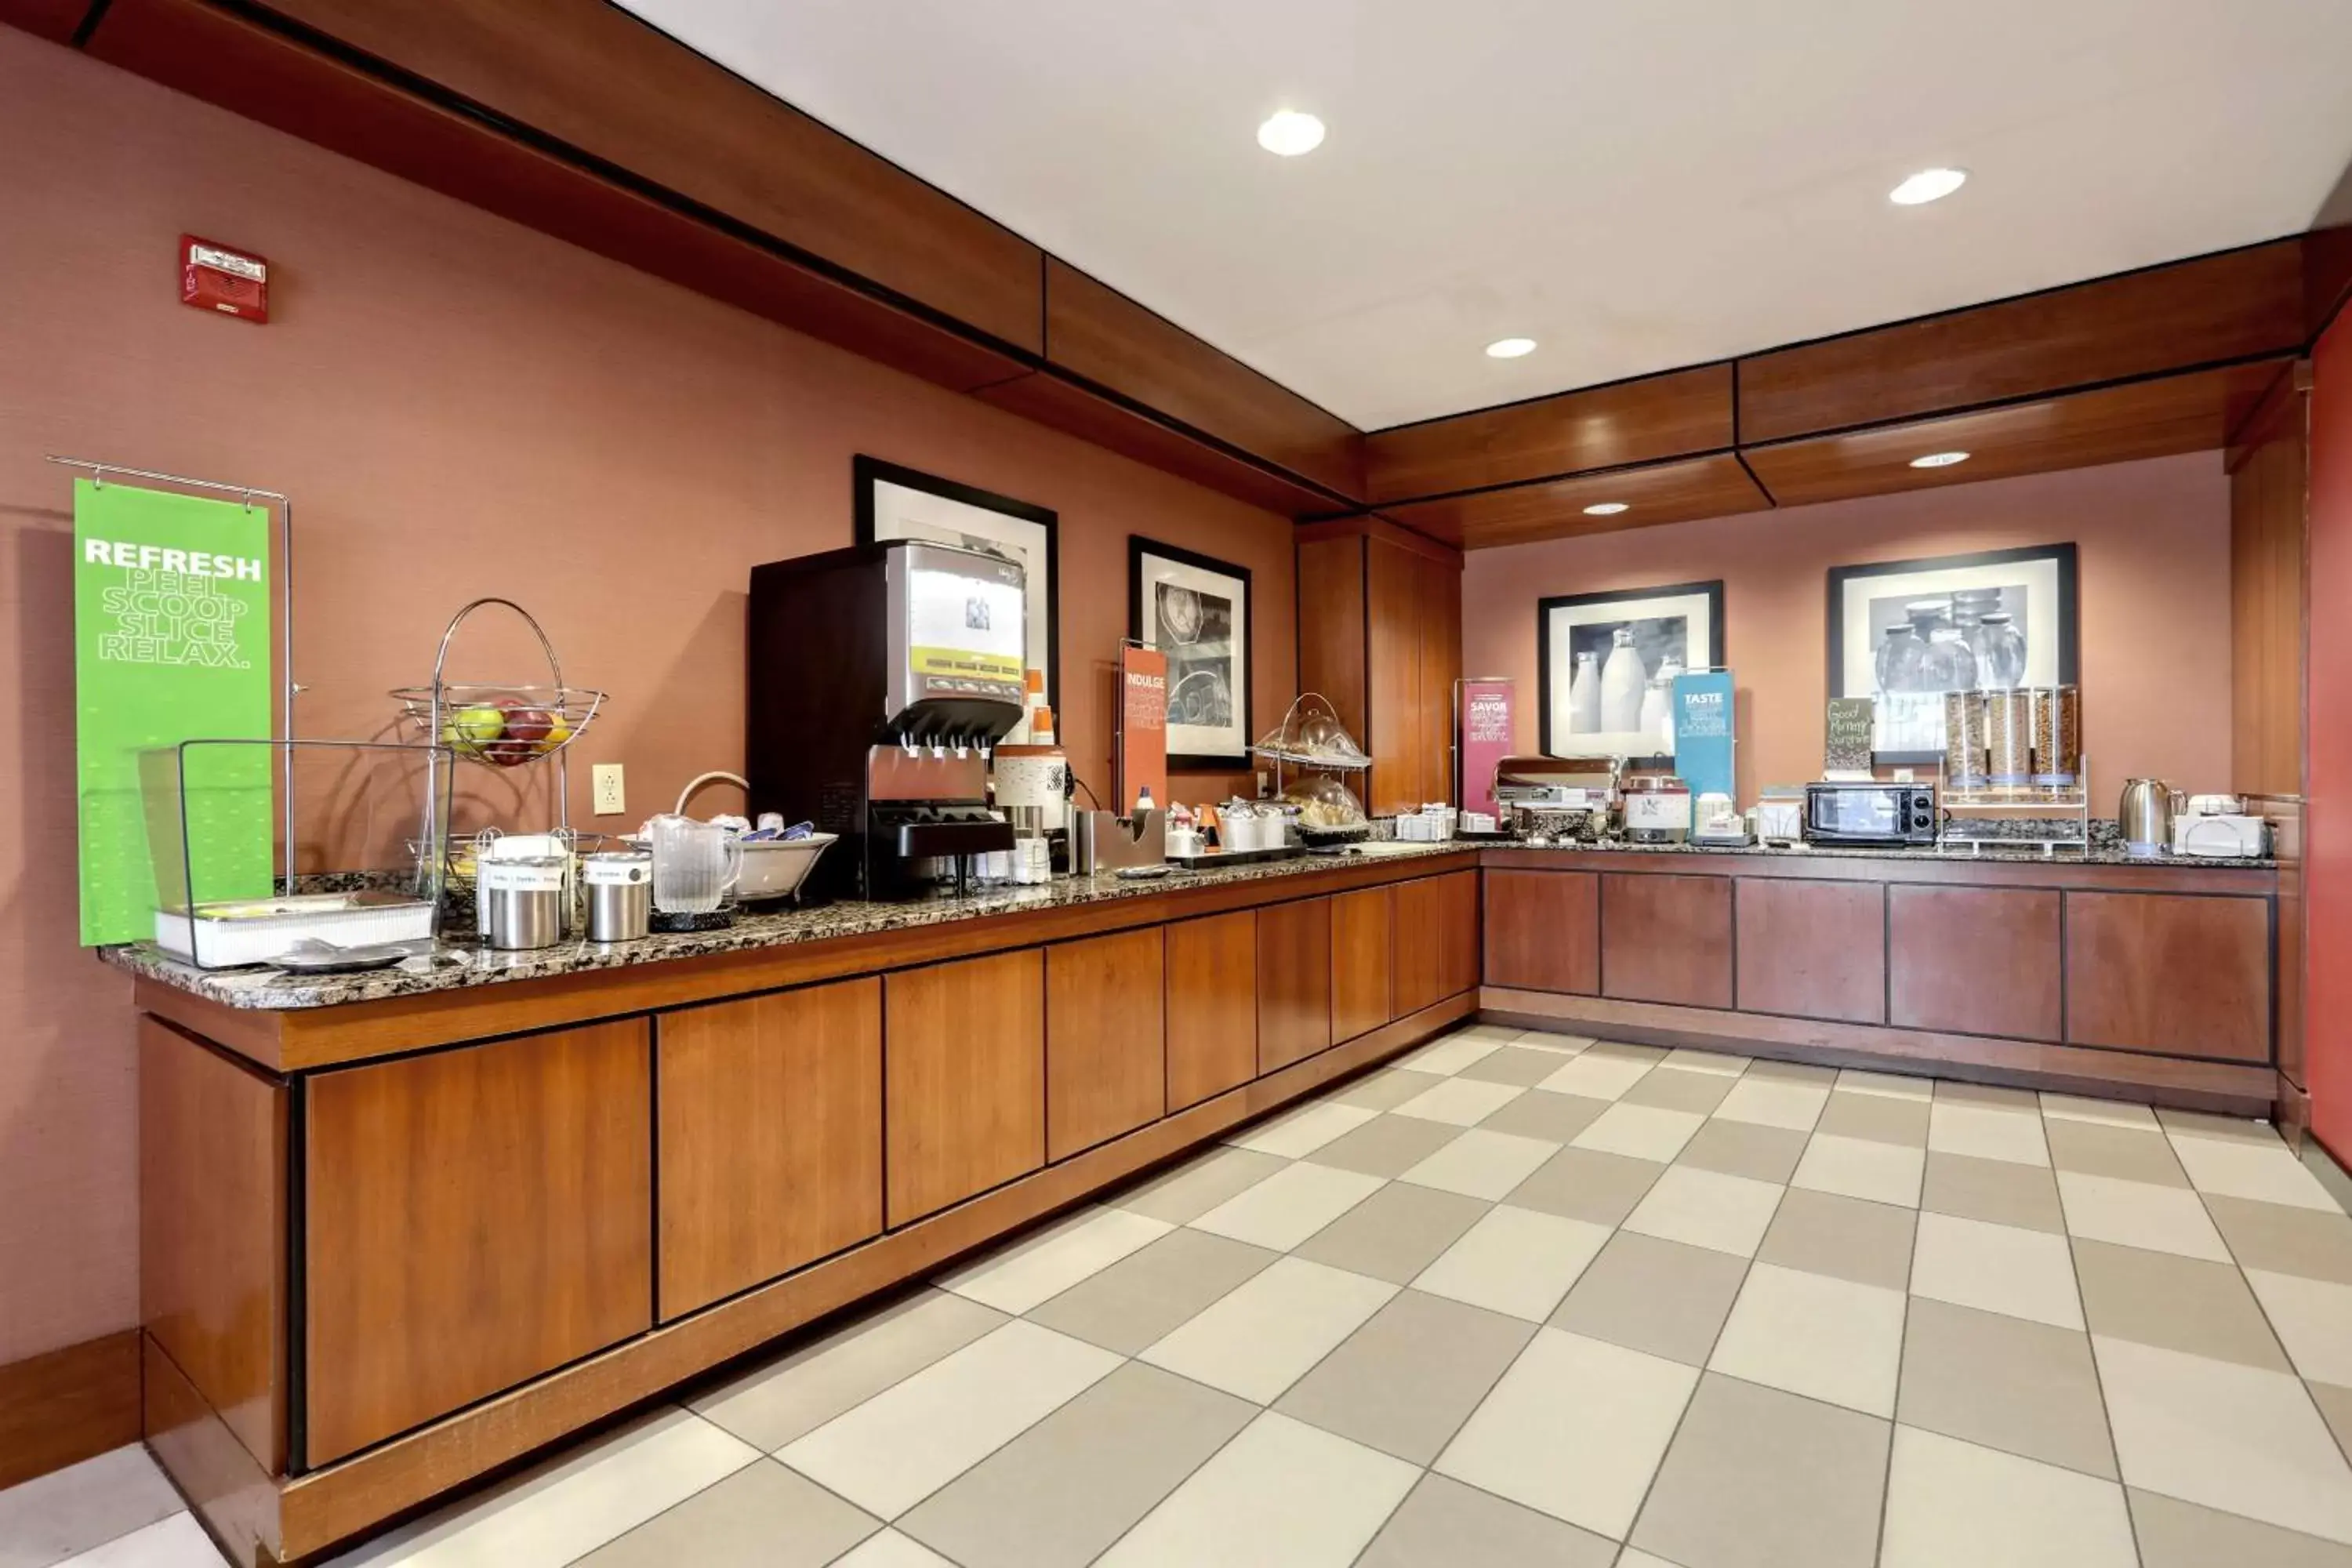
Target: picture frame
column 893, row 502
column 1200, row 612
column 1680, row 621
column 1873, row 603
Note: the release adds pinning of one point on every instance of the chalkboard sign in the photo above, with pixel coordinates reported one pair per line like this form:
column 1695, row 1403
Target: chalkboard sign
column 1851, row 723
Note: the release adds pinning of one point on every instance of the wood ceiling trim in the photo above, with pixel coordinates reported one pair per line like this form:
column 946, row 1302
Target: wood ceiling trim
column 1682, row 490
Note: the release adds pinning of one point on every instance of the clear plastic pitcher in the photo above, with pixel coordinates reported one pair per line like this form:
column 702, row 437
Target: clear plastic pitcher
column 696, row 864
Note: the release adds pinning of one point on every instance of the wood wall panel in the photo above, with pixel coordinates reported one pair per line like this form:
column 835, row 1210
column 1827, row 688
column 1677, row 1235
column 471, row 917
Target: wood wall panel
column 2268, row 484
column 2179, row 976
column 1543, row 931
column 1666, row 939
column 68, row 1404
column 1662, row 493
column 1976, row 960
column 1212, row 967
column 1106, row 1038
column 212, row 1229
column 52, row 19
column 964, row 1080
column 1393, row 731
column 1363, row 927
column 1812, row 949
column 1332, row 655
column 1628, row 422
column 1294, row 982
column 1441, row 665
column 474, row 1218
column 770, row 1139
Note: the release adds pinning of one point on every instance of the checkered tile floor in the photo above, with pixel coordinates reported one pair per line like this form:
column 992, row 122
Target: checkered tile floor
column 1523, row 1299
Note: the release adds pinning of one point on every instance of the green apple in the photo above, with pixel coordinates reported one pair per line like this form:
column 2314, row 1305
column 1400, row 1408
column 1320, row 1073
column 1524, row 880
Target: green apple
column 468, row 729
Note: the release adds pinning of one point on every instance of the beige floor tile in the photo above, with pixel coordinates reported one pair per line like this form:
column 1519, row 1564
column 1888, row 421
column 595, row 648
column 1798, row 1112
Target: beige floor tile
column 1288, row 1206
column 1706, row 1208
column 2244, row 1168
column 1575, row 1429
column 1627, row 1051
column 49, row 1517
column 799, row 1391
column 1192, row 1189
column 1806, row 1073
column 1997, row 1268
column 1759, row 1478
column 2203, row 1124
column 1661, row 1298
column 1455, row 1051
column 2101, row 1113
column 1480, row 1163
column 888, row 1549
column 2335, row 1403
column 2284, row 1240
column 1281, row 1495
column 176, row 1541
column 1519, row 1262
column 1770, row 1101
column 1642, row 1131
column 1847, row 1238
column 1141, row 1296
column 1992, row 1097
column 1514, row 1064
column 1862, row 1168
column 1464, row 1101
column 2127, row 1154
column 2136, row 1214
column 2007, row 1383
column 1405, row 1382
column 1995, row 1190
column 1951, row 1504
column 1879, row 1117
column 904, row 1444
column 1064, row 1489
column 1538, row 1113
column 1986, row 1132
column 1671, row 1088
column 2176, row 1534
column 1584, row 1184
column 1444, row 1522
column 1596, row 1076
column 1043, row 1264
column 1723, row 1064
column 1634, row 1557
column 2314, row 1320
column 1394, row 1233
column 1302, row 1131
column 1386, row 1145
column 2231, row 1438
column 1262, row 1336
column 1745, row 1149
column 2180, row 1303
column 1559, row 1043
column 762, row 1516
column 1894, row 1086
column 1384, row 1090
column 1807, row 1333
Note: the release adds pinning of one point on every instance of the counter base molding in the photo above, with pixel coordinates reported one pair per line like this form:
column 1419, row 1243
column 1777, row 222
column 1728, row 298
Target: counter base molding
column 68, row 1404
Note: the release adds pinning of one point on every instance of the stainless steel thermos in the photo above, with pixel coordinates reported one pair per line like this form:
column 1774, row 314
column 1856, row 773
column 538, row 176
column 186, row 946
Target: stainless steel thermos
column 620, row 894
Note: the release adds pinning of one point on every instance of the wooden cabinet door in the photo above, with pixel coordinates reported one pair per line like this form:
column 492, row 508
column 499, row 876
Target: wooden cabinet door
column 1458, row 913
column 1667, row 938
column 1437, row 939
column 770, row 1136
column 1393, row 647
column 1812, row 949
column 1294, row 982
column 1543, row 931
column 1976, row 960
column 2175, row 973
column 1362, row 962
column 964, row 1080
column 1106, row 1038
column 474, row 1218
column 1212, row 1007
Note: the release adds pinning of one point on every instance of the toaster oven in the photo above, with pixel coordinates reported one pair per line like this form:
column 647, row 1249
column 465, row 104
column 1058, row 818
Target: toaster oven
column 1872, row 813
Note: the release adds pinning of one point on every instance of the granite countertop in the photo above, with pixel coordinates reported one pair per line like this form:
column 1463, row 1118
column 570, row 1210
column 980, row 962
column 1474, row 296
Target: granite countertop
column 2099, row 853
column 460, row 964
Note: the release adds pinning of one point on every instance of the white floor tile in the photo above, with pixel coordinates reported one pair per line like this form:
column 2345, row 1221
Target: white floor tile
column 1037, row 1269
column 566, row 1509
column 2139, row 1214
column 1722, row 1064
column 1769, row 1102
column 1862, row 1168
column 176, row 1541
column 888, row 1549
column 1290, row 1205
column 904, row 1444
column 1597, row 1077
column 1576, row 1429
column 1630, row 1558
column 1282, row 1494
column 2314, row 1320
column 1827, row 1339
column 49, row 1517
column 1515, row 1261
column 1706, row 1208
column 2265, row 1170
column 1267, row 1333
column 1644, row 1132
column 2104, row 1112
column 1889, row 1084
column 2238, row 1439
column 1463, row 1101
column 1996, row 1268
column 1303, row 1131
column 1951, row 1504
column 1481, row 1164
column 1452, row 1054
column 2015, row 1136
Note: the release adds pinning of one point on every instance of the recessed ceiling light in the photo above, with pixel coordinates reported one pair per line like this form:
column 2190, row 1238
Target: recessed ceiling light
column 1939, row 459
column 1606, row 508
column 1510, row 348
column 1288, row 133
column 1927, row 185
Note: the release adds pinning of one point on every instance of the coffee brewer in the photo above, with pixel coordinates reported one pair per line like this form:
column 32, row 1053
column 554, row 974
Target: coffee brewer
column 880, row 678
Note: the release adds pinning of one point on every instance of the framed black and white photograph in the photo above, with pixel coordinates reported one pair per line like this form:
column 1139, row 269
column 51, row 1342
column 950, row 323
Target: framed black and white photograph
column 1196, row 610
column 1906, row 632
column 894, row 502
column 1600, row 660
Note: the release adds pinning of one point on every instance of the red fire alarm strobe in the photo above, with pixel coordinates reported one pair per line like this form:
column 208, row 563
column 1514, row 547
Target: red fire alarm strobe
column 214, row 278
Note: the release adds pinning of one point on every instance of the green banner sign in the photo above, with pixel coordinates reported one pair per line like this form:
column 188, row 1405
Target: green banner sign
column 172, row 642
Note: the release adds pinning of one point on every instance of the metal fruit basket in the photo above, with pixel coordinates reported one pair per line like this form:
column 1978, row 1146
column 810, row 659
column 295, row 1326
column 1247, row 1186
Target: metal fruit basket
column 473, row 718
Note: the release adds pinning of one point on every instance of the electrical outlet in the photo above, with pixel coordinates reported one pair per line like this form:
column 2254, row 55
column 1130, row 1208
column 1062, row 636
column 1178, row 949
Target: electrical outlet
column 610, row 798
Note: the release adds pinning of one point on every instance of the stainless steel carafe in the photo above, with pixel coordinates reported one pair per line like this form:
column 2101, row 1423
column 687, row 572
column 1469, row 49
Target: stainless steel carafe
column 2145, row 816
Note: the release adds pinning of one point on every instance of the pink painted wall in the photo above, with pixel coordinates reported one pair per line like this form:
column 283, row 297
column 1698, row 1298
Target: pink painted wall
column 2154, row 541
column 459, row 407
column 2327, row 816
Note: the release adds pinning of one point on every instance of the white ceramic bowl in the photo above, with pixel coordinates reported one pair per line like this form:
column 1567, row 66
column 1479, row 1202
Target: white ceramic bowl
column 775, row 867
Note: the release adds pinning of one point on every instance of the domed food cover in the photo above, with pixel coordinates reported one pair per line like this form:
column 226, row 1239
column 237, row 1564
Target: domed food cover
column 1311, row 736
column 1324, row 806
